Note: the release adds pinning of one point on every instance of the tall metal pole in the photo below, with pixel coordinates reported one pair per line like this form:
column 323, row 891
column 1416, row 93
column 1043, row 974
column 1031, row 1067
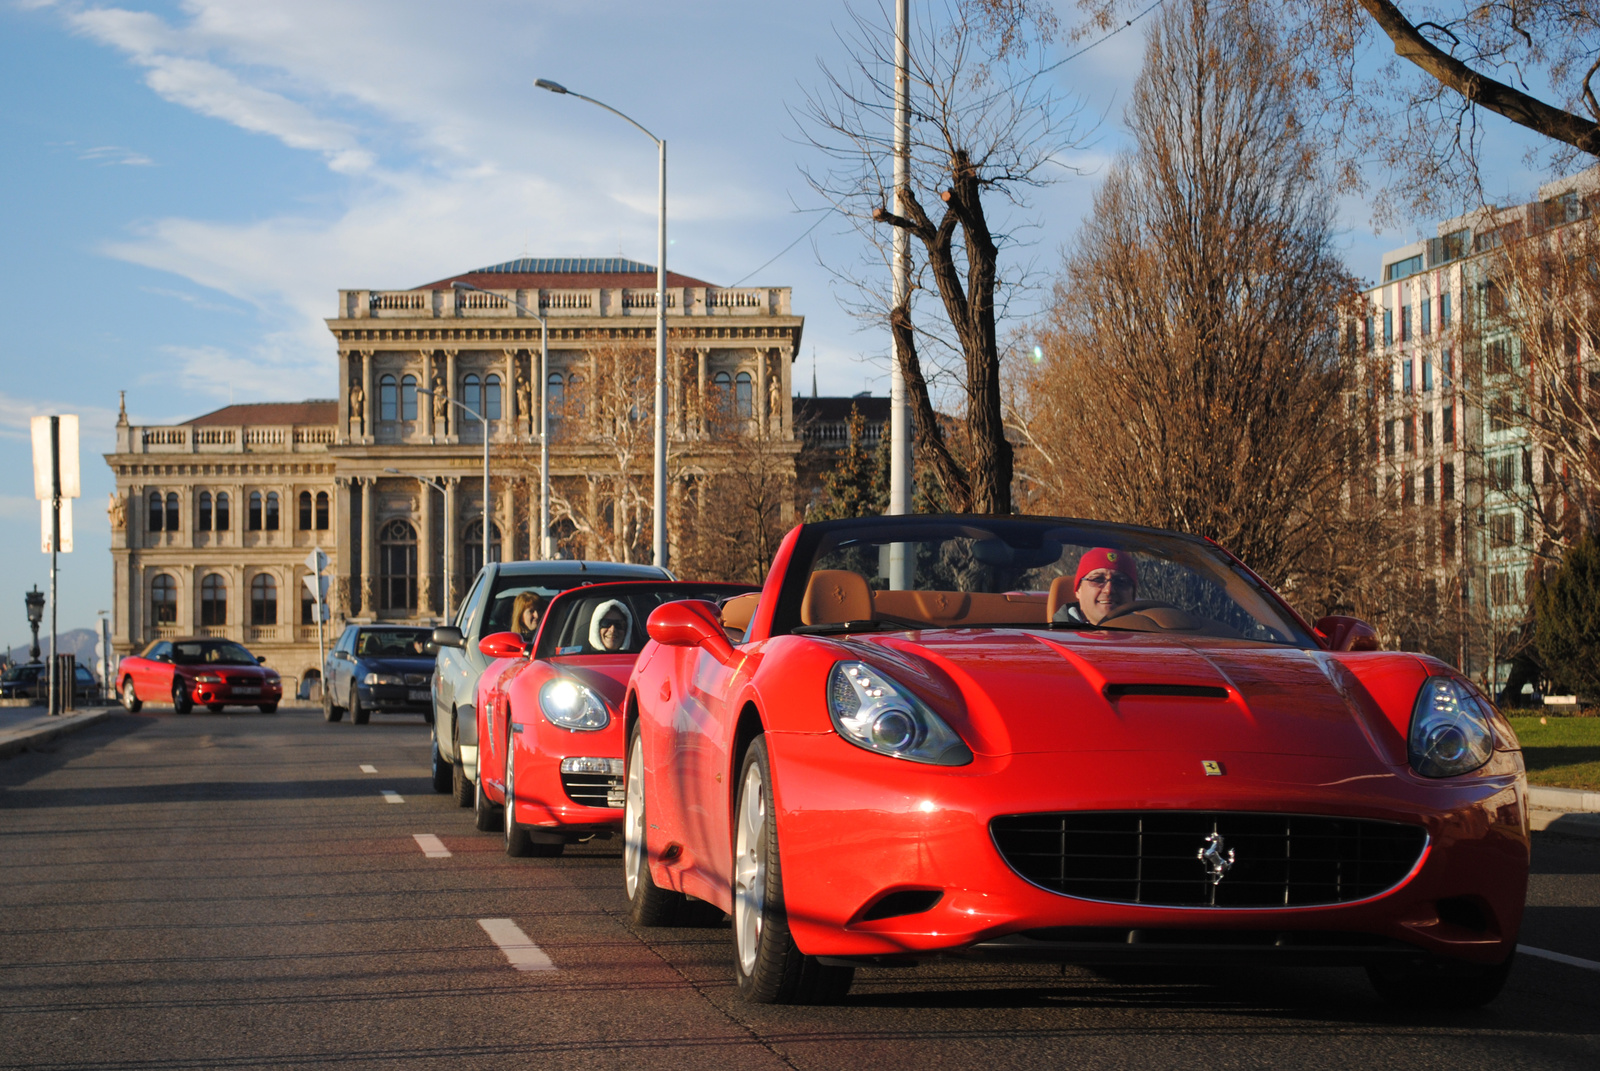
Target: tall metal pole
column 55, row 551
column 659, row 527
column 483, row 422
column 899, row 404
column 544, row 436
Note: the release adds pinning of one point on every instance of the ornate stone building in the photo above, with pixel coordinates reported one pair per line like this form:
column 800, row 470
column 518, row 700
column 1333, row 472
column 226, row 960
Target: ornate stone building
column 213, row 518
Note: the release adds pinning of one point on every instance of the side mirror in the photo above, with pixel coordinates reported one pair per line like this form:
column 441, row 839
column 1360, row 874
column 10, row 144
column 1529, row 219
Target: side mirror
column 1339, row 633
column 261, row 660
column 430, row 648
column 448, row 636
column 503, row 645
column 690, row 624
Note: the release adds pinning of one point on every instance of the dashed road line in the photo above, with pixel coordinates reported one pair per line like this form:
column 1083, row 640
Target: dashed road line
column 368, row 769
column 1559, row 957
column 431, row 846
column 520, row 952
column 391, row 796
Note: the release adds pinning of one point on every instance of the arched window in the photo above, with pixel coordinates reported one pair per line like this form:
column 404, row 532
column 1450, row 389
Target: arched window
column 203, row 518
column 305, row 511
column 386, row 398
column 742, row 396
column 722, row 391
column 555, row 395
column 272, row 511
column 469, row 396
column 491, row 398
column 408, row 398
column 222, row 511
column 263, row 600
column 397, row 566
column 155, row 511
column 255, row 511
column 172, row 511
column 164, row 600
column 213, row 600
column 474, row 546
column 322, row 511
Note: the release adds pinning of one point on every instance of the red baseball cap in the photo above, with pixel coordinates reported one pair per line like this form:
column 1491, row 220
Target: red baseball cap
column 1118, row 561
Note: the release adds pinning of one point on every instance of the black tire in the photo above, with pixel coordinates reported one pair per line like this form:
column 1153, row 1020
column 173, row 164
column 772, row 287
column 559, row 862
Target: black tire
column 330, row 712
column 358, row 713
column 1439, row 984
column 648, row 903
column 768, row 966
column 215, row 708
column 441, row 770
column 268, row 708
column 182, row 701
column 130, row 697
column 460, row 787
column 518, row 844
column 486, row 817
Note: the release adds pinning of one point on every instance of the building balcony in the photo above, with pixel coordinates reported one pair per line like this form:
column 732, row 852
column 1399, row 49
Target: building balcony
column 244, row 439
column 692, row 301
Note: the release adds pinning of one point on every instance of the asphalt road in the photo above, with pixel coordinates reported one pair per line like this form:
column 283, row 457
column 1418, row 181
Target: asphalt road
column 234, row 891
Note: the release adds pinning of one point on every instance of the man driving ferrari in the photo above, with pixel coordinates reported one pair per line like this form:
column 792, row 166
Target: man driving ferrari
column 1106, row 580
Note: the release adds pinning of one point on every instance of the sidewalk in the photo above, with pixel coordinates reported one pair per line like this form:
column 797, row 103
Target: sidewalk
column 23, row 727
column 1568, row 811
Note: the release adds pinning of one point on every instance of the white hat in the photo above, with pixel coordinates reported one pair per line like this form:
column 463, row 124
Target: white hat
column 599, row 615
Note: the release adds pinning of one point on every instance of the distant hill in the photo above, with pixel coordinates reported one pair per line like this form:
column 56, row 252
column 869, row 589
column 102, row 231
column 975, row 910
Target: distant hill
column 78, row 642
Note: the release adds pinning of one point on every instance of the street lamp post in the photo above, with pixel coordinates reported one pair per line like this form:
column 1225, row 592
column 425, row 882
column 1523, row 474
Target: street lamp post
column 484, row 424
column 659, row 528
column 35, row 602
column 544, row 410
column 449, row 588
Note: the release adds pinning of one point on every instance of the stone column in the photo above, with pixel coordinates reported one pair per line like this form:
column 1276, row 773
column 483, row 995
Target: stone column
column 424, row 402
column 786, row 371
column 759, row 388
column 703, row 354
column 423, row 519
column 341, row 431
column 238, row 614
column 369, row 407
column 508, row 525
column 676, row 394
column 453, row 415
column 369, row 497
column 508, row 398
column 452, row 545
column 339, row 590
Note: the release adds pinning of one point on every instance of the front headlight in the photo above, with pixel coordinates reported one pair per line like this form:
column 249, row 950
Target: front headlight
column 873, row 712
column 1450, row 731
column 208, row 678
column 571, row 705
column 383, row 678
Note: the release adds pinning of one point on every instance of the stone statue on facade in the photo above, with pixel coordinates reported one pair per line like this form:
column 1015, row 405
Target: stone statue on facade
column 775, row 402
column 525, row 401
column 117, row 511
column 358, row 409
column 441, row 407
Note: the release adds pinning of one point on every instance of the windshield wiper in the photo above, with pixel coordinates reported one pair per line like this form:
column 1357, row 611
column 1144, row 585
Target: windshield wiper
column 831, row 627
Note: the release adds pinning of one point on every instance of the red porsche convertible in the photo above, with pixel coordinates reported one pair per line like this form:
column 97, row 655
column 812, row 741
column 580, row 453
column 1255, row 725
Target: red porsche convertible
column 549, row 717
column 1047, row 739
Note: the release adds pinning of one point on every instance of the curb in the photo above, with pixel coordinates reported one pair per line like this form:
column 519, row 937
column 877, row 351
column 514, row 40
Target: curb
column 1567, row 824
column 1562, row 799
column 61, row 725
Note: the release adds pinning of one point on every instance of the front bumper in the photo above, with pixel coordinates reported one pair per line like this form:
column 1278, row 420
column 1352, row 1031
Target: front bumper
column 397, row 698
column 857, row 828
column 238, row 695
column 545, row 794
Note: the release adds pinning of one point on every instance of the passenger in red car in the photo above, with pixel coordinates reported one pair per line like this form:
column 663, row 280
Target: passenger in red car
column 1106, row 580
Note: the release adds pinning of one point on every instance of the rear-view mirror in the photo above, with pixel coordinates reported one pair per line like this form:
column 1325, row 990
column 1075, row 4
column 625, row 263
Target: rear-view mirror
column 689, row 623
column 502, row 645
column 447, row 636
column 1339, row 633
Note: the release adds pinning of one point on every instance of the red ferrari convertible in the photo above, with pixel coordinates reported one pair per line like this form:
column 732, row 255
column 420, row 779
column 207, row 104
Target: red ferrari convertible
column 1046, row 739
column 549, row 725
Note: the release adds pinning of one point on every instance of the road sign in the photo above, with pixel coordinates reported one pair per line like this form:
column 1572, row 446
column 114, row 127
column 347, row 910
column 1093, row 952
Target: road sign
column 317, row 562
column 67, row 440
column 66, row 526
column 318, row 586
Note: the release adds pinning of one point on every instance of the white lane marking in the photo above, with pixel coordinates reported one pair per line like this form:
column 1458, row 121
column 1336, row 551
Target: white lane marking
column 369, row 769
column 1559, row 957
column 431, row 846
column 391, row 796
column 520, row 952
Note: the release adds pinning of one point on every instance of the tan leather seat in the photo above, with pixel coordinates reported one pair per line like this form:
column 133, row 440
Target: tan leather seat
column 1062, row 594
column 737, row 611
column 836, row 595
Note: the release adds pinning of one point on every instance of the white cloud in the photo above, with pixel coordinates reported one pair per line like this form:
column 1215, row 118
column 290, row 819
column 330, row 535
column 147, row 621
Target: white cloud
column 116, row 154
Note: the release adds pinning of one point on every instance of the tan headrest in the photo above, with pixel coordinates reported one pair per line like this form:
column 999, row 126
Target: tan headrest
column 835, row 595
column 1062, row 593
column 737, row 611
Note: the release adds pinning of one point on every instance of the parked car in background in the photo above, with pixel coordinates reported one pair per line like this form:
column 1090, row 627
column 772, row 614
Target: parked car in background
column 487, row 610
column 384, row 668
column 198, row 669
column 31, row 680
column 550, row 737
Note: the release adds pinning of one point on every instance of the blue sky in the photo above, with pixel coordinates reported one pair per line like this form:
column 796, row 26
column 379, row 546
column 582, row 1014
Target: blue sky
column 189, row 183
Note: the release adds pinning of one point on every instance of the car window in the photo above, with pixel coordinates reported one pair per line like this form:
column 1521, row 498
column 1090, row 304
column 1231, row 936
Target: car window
column 576, row 624
column 508, row 586
column 211, row 652
column 162, row 651
column 469, row 604
column 20, row 673
column 391, row 642
column 85, row 676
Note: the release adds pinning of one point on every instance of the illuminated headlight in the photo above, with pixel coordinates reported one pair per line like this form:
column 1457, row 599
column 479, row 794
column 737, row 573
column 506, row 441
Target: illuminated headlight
column 609, row 767
column 571, row 705
column 872, row 712
column 272, row 677
column 208, row 678
column 383, row 678
column 1450, row 731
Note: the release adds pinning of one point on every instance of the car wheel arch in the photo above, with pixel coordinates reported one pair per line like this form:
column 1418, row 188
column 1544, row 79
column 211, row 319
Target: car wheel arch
column 749, row 726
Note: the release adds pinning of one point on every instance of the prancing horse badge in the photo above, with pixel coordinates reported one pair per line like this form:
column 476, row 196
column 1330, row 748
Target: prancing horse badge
column 1211, row 767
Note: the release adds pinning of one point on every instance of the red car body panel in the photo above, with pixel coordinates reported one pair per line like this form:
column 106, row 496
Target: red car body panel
column 1295, row 731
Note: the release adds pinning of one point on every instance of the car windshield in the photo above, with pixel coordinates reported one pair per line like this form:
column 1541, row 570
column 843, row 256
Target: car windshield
column 610, row 619
column 966, row 572
column 392, row 643
column 211, row 653
column 509, row 585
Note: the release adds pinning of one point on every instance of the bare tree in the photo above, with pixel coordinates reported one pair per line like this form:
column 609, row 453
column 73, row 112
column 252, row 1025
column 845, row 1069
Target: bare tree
column 1190, row 371
column 986, row 130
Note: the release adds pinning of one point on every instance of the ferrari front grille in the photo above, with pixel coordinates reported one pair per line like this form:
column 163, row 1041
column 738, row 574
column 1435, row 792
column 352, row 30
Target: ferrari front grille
column 1227, row 859
column 593, row 790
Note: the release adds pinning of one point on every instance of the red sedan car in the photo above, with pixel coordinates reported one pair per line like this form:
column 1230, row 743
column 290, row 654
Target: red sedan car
column 549, row 718
column 1047, row 739
column 198, row 669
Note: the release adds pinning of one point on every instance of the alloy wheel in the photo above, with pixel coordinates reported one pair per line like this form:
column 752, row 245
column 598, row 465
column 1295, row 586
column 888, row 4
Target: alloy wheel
column 633, row 861
column 750, row 868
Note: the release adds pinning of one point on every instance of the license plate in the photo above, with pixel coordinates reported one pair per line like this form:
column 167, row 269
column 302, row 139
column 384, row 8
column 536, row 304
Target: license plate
column 245, row 690
column 419, row 695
